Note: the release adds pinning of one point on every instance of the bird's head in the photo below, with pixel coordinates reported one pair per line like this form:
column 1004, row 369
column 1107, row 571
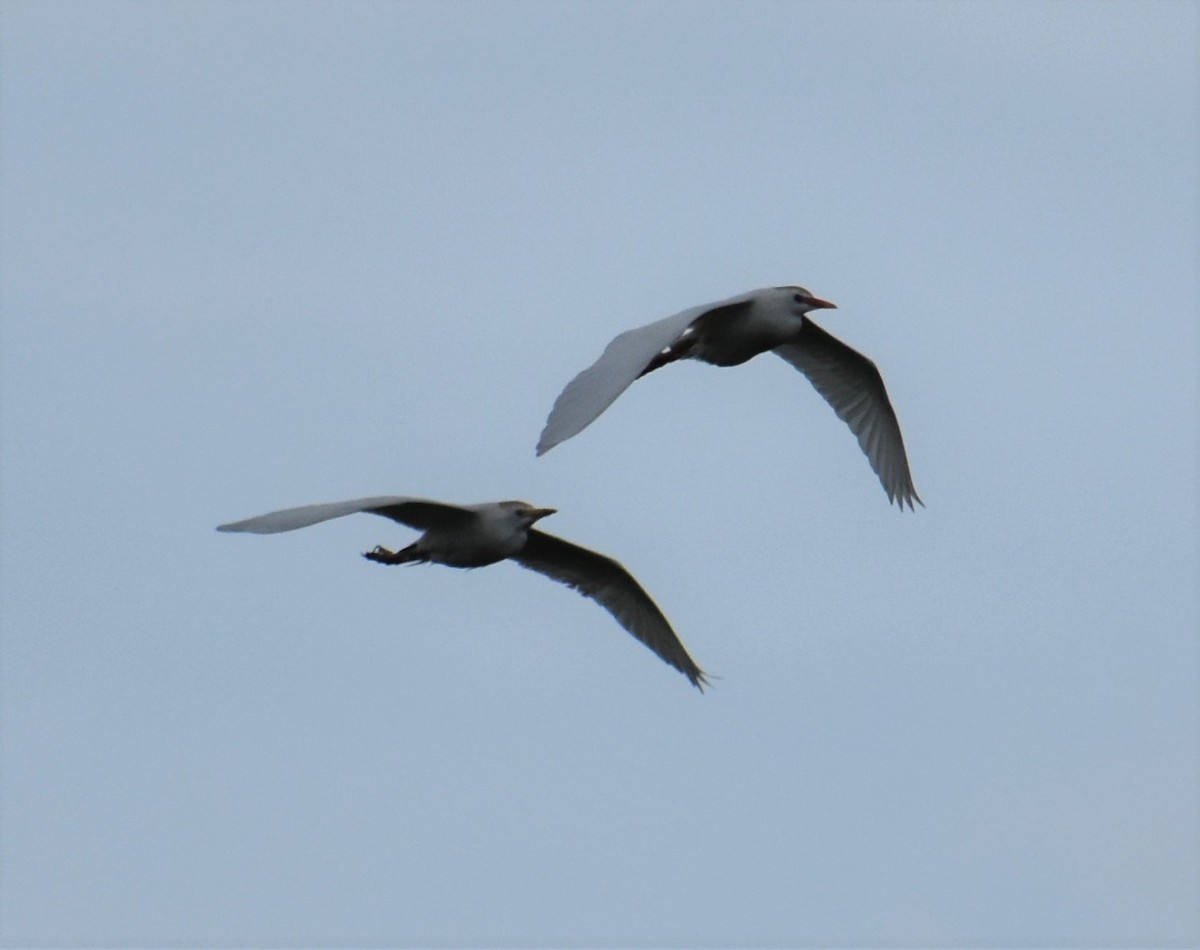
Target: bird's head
column 799, row 301
column 525, row 513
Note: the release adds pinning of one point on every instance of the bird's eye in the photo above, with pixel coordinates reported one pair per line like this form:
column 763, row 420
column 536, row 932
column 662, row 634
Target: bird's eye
column 799, row 298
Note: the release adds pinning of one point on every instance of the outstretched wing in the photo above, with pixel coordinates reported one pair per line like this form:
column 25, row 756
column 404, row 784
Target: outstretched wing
column 414, row 512
column 597, row 387
column 851, row 384
column 614, row 588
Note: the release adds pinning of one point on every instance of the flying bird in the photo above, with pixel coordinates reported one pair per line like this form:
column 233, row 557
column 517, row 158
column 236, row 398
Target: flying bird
column 478, row 535
column 728, row 333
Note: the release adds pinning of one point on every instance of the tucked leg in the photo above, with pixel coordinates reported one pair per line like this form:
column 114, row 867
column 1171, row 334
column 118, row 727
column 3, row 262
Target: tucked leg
column 381, row 555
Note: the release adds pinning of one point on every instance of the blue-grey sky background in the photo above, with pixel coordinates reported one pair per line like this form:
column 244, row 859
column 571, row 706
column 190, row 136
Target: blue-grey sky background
column 261, row 255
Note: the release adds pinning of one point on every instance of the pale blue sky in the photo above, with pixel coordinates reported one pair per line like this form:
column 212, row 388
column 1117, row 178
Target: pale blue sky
column 260, row 255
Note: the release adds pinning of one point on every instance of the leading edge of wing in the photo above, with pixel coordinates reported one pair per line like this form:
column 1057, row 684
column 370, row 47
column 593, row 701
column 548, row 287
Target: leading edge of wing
column 414, row 512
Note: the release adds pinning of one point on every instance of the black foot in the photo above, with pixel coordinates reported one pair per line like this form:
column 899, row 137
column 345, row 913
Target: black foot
column 381, row 555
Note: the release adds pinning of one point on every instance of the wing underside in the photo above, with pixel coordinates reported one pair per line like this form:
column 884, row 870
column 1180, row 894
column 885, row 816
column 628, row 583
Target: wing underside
column 616, row 590
column 623, row 360
column 853, row 386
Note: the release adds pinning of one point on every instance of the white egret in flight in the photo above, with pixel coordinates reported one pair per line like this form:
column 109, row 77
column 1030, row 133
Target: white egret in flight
column 728, row 333
column 477, row 535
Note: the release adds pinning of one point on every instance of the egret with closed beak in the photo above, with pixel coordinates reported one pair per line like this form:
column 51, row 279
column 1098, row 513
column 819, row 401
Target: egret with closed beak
column 728, row 333
column 478, row 535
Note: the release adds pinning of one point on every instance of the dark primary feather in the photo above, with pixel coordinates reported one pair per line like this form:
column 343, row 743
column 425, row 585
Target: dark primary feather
column 852, row 385
column 615, row 589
